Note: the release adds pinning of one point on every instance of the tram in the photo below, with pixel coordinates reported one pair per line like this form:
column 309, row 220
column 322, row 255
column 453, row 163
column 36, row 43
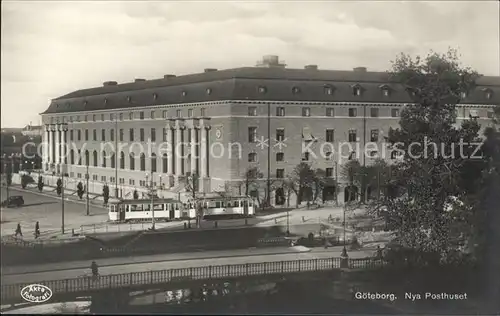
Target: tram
column 241, row 206
column 140, row 210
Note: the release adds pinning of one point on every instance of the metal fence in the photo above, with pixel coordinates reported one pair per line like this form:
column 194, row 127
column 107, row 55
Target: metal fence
column 126, row 280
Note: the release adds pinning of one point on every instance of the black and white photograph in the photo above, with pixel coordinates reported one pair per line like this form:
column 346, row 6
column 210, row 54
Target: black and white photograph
column 250, row 157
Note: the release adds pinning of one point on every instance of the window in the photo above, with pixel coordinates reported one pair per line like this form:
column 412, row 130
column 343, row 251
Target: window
column 131, row 181
column 103, row 159
column 94, row 157
column 143, row 162
column 112, row 179
column 280, row 156
column 103, row 135
column 190, row 113
column 395, row 112
column 112, row 134
column 165, row 135
column 94, row 134
column 77, row 118
column 153, row 134
column 122, row 160
column 305, row 156
column 329, row 135
column 102, row 117
column 141, row 115
column 85, row 118
column 385, row 92
column 330, row 112
column 372, row 153
column 280, row 173
column 473, row 114
column 165, row 114
column 79, row 175
column 153, row 162
column 395, row 154
column 71, row 135
column 491, row 114
column 103, row 178
column 94, row 117
column 488, row 95
column 120, row 116
column 352, row 135
column 72, row 157
column 141, row 134
column 122, row 180
column 113, row 160
column 252, row 111
column 353, row 112
column 202, row 112
column 178, row 113
column 374, row 135
column 463, row 95
column 306, row 112
column 280, row 111
column 262, row 89
column 329, row 172
column 209, row 91
column 121, row 134
column 295, row 90
column 184, row 93
column 94, row 177
column 131, row 116
column 131, row 134
column 374, row 112
column 79, row 135
column 328, row 155
column 165, row 163
column 356, row 91
column 252, row 157
column 328, row 90
column 280, row 134
column 252, row 134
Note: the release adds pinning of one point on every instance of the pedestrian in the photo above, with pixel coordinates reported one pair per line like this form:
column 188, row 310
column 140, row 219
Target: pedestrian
column 18, row 230
column 37, row 230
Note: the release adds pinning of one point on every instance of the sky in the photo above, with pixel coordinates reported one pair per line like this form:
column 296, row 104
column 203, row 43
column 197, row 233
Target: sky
column 52, row 48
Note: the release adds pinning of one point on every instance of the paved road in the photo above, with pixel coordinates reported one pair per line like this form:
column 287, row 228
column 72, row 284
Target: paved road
column 180, row 261
column 47, row 211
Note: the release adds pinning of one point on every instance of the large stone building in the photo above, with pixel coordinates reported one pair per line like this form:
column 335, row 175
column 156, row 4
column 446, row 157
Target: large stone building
column 227, row 117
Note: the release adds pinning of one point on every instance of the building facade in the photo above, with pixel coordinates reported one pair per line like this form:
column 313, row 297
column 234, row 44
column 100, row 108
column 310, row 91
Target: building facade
column 219, row 123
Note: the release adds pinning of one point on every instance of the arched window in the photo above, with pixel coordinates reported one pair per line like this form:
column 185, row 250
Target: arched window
column 94, row 158
column 103, row 159
column 79, row 157
column 165, row 163
column 143, row 162
column 87, row 158
column 72, row 157
column 132, row 161
column 153, row 162
column 112, row 160
column 122, row 160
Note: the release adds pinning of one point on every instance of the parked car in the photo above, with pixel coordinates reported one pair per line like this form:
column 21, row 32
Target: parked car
column 13, row 201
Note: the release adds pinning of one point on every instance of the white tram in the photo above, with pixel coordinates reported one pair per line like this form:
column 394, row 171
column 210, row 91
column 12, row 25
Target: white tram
column 227, row 206
column 139, row 210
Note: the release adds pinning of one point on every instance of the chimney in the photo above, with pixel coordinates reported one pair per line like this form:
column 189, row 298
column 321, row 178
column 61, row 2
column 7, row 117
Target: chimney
column 311, row 67
column 210, row 69
column 109, row 83
column 139, row 80
column 270, row 61
column 169, row 76
column 359, row 69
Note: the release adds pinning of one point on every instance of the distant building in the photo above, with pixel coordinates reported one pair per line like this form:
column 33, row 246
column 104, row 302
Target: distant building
column 32, row 130
column 251, row 106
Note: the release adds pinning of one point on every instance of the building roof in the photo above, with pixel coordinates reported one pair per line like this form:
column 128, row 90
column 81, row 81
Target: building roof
column 279, row 84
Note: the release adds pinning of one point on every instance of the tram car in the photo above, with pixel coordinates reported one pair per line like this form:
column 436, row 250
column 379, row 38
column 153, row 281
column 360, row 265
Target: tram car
column 227, row 207
column 140, row 210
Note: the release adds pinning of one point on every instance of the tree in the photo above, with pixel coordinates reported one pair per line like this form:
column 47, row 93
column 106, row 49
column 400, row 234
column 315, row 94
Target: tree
column 301, row 182
column 135, row 195
column 40, row 183
column 319, row 182
column 80, row 190
column 429, row 175
column 105, row 194
column 252, row 178
column 59, row 185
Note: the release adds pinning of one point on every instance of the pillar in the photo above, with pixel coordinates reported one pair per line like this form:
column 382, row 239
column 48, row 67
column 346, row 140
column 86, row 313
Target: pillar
column 51, row 145
column 46, row 146
column 58, row 145
column 194, row 168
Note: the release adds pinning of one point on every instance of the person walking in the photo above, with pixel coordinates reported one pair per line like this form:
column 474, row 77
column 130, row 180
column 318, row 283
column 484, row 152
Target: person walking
column 37, row 230
column 18, row 230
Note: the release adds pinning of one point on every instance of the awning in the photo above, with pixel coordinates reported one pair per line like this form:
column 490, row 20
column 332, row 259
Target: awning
column 473, row 113
column 306, row 134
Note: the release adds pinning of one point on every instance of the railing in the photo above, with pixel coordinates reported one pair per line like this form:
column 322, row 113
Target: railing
column 77, row 285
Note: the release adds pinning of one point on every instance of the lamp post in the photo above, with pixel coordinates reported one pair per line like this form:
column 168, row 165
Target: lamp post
column 116, row 155
column 63, row 171
column 151, row 192
column 87, row 190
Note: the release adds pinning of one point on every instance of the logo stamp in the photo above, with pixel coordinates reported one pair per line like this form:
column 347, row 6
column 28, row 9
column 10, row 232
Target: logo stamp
column 36, row 293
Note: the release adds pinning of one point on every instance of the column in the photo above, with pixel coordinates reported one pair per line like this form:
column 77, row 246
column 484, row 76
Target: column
column 203, row 152
column 46, row 146
column 51, row 144
column 63, row 145
column 179, row 146
column 58, row 146
column 194, row 131
column 172, row 158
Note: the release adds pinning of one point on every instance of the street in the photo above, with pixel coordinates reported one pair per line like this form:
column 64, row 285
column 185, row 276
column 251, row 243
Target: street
column 47, row 211
column 176, row 262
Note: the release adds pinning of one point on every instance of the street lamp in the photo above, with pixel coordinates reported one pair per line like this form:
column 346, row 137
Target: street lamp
column 151, row 192
column 63, row 171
